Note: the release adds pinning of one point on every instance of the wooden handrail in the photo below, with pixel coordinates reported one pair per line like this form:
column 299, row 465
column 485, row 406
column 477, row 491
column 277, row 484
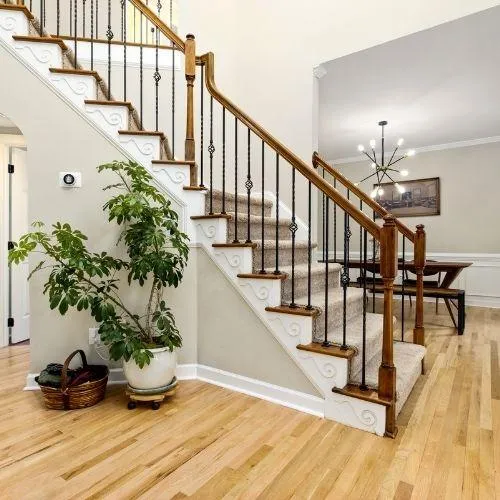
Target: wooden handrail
column 310, row 174
column 166, row 30
column 402, row 228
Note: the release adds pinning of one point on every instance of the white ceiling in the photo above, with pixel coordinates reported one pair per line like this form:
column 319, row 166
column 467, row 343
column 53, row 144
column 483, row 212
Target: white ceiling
column 437, row 86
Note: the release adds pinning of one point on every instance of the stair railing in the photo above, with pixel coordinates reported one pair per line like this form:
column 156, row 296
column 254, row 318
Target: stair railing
column 417, row 238
column 229, row 143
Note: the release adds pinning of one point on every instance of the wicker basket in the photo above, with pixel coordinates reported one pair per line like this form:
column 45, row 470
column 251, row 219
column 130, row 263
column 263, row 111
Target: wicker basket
column 78, row 396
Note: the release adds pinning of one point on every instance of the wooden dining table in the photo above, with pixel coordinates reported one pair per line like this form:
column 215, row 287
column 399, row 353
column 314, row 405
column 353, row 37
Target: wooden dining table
column 451, row 272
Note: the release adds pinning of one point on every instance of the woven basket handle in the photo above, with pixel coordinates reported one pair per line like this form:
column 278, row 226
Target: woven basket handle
column 64, row 374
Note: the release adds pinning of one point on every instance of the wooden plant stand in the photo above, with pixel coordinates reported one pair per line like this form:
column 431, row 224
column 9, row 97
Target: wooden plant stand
column 154, row 399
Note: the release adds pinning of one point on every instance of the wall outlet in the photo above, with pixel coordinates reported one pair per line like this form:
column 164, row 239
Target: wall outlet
column 93, row 332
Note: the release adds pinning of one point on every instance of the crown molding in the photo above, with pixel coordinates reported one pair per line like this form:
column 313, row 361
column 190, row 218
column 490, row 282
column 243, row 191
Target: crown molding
column 427, row 149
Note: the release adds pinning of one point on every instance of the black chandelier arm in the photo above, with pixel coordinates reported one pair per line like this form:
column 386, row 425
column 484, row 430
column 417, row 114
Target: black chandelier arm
column 369, row 177
column 392, row 157
column 374, row 156
column 399, row 159
column 374, row 160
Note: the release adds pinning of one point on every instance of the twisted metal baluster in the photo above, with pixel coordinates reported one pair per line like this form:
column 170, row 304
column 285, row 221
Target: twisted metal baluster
column 173, row 83
column 156, row 77
column 235, row 180
column 202, row 125
column 70, row 17
column 223, row 160
column 141, row 73
column 276, row 242
column 309, row 246
column 84, row 14
column 92, row 35
column 363, row 352
column 403, row 264
column 262, row 213
column 124, row 37
column 211, row 151
column 293, row 230
column 109, row 36
column 345, row 278
column 76, row 34
column 248, row 185
column 58, row 9
column 326, row 342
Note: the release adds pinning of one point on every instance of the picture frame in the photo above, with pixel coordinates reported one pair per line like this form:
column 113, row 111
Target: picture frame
column 421, row 198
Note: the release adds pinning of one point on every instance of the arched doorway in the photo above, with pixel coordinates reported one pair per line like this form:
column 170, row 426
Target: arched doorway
column 14, row 299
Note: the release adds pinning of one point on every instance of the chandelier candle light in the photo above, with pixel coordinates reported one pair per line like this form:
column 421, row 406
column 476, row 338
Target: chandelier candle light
column 381, row 169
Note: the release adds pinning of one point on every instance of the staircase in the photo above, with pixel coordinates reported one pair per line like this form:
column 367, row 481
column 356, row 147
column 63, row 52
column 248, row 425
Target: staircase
column 349, row 353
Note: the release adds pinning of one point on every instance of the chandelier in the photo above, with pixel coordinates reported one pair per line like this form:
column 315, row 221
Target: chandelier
column 378, row 163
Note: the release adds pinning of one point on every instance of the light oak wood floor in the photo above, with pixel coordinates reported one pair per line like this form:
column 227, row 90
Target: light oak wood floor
column 212, row 443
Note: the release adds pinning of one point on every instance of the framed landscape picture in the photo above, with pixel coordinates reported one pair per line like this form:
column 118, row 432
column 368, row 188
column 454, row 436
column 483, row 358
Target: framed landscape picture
column 421, row 197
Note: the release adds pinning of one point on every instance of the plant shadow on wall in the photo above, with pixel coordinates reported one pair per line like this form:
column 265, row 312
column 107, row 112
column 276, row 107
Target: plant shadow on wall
column 157, row 255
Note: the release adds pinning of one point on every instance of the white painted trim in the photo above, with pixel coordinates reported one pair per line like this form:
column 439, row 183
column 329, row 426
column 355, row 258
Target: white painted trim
column 426, row 149
column 306, row 403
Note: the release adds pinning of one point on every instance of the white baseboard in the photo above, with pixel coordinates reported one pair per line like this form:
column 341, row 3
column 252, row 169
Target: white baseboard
column 283, row 396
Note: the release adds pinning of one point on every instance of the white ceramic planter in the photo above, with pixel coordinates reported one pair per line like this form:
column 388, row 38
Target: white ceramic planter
column 158, row 373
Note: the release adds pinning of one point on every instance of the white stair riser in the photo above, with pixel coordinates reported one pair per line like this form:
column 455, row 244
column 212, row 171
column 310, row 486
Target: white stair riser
column 12, row 23
column 78, row 88
column 109, row 118
column 39, row 55
column 175, row 177
column 144, row 149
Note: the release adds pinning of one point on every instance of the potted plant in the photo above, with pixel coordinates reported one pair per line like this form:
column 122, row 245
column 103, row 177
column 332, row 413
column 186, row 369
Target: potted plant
column 157, row 253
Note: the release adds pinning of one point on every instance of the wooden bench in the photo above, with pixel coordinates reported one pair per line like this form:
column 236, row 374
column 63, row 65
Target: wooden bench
column 435, row 292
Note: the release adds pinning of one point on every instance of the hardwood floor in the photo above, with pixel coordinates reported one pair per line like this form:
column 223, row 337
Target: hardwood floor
column 212, row 443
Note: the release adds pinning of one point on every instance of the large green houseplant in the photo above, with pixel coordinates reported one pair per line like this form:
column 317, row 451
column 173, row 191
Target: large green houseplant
column 157, row 254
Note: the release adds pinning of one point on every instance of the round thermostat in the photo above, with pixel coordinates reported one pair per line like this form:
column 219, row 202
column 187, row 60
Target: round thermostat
column 69, row 179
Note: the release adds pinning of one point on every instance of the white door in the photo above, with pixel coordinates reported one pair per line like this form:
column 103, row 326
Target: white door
column 19, row 290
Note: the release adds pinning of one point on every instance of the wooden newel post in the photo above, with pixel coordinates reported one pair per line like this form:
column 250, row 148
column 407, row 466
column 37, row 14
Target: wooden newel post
column 388, row 272
column 419, row 258
column 190, row 69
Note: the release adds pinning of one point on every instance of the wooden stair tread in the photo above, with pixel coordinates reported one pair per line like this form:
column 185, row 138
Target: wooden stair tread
column 41, row 39
column 398, row 289
column 161, row 135
column 370, row 395
column 194, row 188
column 109, row 103
column 298, row 311
column 331, row 350
column 210, row 216
column 234, row 245
column 83, row 72
column 263, row 276
column 176, row 162
column 21, row 8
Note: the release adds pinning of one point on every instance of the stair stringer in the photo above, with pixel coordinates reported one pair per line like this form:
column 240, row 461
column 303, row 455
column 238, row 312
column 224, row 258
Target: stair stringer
column 323, row 371
column 290, row 330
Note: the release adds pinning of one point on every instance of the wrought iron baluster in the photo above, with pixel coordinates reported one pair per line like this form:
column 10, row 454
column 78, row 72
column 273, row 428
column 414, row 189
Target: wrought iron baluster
column 97, row 19
column 236, row 180
column 363, row 351
column 335, row 225
column 41, row 17
column 141, row 72
column 403, row 264
column 109, row 36
column 173, row 83
column 262, row 212
column 156, row 76
column 202, row 123
column 58, row 22
column 76, row 33
column 92, row 35
column 293, row 230
column 223, row 160
column 211, row 151
column 345, row 278
column 373, row 268
column 249, row 186
column 360, row 240
column 309, row 246
column 326, row 222
column 84, row 17
column 70, row 17
column 124, row 37
column 277, row 252
column 323, row 229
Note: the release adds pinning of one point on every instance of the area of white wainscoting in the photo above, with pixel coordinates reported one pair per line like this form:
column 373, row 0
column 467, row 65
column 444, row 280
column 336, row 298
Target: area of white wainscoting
column 481, row 281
